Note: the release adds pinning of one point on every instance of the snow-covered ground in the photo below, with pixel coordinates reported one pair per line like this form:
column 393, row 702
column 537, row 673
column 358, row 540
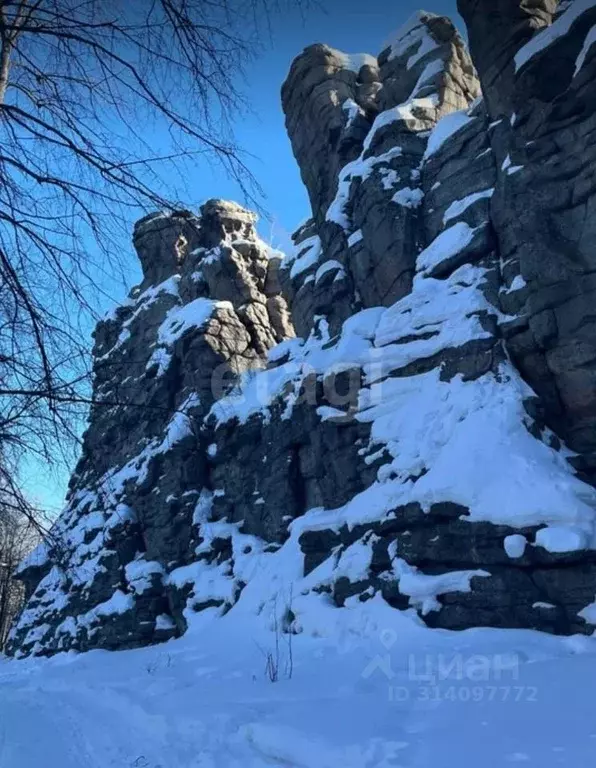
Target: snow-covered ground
column 377, row 690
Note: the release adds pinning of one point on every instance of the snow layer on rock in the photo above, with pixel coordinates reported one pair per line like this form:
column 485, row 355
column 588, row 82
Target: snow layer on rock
column 352, row 110
column 355, row 238
column 446, row 310
column 413, row 32
column 328, row 266
column 447, row 127
column 405, row 112
column 590, row 41
column 354, row 562
column 360, row 168
column 139, row 574
column 560, row 538
column 589, row 613
column 432, row 69
column 517, row 284
column 355, row 61
column 164, row 622
column 470, row 441
column 423, row 589
column 257, row 390
column 515, row 545
column 192, row 315
column 304, row 256
column 141, row 303
column 211, row 582
column 118, row 603
column 448, row 244
column 555, row 31
column 458, row 207
column 160, row 358
column 408, row 198
column 459, row 441
column 36, row 558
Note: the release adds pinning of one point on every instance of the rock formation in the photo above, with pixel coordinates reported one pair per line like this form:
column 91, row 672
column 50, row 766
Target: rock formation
column 429, row 436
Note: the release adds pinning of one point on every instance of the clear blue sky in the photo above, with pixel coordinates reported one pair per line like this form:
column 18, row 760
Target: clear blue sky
column 354, row 26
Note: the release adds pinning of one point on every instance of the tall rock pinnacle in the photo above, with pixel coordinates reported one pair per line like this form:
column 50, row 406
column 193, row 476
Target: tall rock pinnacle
column 428, row 440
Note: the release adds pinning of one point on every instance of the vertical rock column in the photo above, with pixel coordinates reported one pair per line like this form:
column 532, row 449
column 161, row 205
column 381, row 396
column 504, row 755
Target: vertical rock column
column 359, row 127
column 537, row 69
column 207, row 310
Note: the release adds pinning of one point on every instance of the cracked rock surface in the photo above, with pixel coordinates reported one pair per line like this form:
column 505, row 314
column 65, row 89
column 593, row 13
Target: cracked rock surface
column 404, row 407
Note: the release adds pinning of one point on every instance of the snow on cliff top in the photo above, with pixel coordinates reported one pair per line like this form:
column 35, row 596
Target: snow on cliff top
column 413, row 32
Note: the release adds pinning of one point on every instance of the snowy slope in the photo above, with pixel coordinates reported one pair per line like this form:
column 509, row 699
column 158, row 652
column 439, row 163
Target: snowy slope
column 364, row 697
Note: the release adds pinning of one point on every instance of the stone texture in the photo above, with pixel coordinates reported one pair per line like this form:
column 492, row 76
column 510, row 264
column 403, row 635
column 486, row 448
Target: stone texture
column 546, row 134
column 144, row 462
column 450, row 240
column 330, row 118
column 497, row 30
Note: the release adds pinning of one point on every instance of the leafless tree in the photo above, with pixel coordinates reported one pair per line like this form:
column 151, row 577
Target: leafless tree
column 87, row 90
column 17, row 537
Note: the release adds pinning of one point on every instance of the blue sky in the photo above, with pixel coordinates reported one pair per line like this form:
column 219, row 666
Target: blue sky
column 354, row 26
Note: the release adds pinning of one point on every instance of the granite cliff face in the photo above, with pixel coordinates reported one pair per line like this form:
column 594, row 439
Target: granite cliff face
column 428, row 438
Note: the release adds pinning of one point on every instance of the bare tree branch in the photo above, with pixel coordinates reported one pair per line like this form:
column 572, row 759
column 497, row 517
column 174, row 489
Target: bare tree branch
column 98, row 98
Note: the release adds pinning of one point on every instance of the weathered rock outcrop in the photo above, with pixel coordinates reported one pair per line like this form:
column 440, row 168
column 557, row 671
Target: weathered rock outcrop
column 359, row 128
column 207, row 310
column 429, row 437
column 540, row 101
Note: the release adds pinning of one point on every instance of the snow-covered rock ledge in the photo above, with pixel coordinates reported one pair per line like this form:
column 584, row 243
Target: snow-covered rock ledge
column 427, row 442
